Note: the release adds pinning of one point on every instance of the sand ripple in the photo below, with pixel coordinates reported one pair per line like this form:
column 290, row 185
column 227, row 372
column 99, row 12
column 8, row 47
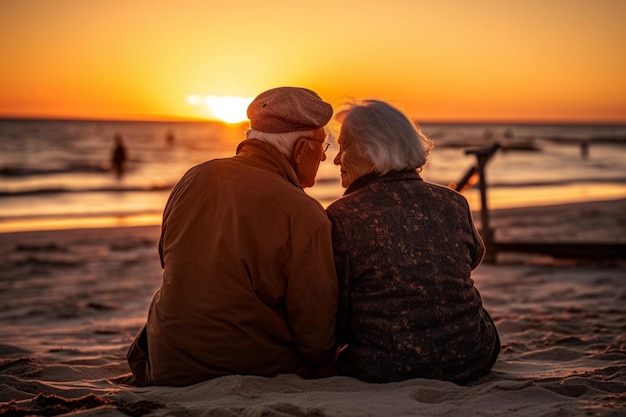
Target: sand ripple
column 71, row 302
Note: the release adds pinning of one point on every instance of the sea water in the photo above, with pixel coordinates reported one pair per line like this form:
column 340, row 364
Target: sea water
column 58, row 173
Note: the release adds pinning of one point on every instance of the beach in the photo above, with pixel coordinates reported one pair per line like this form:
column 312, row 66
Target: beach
column 71, row 301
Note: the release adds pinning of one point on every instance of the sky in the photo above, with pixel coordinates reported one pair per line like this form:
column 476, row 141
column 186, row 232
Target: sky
column 440, row 60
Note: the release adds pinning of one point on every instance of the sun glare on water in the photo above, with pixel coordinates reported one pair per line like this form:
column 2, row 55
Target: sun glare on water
column 229, row 109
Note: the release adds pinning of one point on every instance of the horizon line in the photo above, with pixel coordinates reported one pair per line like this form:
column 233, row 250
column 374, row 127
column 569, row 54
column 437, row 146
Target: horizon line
column 185, row 119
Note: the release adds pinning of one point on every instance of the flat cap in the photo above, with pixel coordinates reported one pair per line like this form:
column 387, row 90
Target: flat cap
column 288, row 109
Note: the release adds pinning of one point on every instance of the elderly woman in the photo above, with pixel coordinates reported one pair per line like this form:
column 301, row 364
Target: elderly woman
column 404, row 251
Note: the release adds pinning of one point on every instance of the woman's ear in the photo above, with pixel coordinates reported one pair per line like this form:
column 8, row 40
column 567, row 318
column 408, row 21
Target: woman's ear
column 298, row 150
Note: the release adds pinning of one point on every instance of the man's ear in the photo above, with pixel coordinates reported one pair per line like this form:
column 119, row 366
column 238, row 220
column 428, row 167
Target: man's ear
column 298, row 150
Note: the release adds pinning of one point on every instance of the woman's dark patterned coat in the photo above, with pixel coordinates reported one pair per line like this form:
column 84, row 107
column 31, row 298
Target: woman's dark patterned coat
column 404, row 252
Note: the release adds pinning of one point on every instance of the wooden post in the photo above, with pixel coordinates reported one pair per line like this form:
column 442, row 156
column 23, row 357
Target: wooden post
column 483, row 155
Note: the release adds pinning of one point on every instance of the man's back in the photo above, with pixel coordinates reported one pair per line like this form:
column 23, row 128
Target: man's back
column 249, row 285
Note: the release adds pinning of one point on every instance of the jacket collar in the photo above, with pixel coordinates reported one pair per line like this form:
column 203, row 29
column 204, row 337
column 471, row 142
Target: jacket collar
column 373, row 178
column 268, row 157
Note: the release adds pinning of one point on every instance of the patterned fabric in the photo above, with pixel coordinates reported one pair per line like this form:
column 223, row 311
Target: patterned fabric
column 404, row 251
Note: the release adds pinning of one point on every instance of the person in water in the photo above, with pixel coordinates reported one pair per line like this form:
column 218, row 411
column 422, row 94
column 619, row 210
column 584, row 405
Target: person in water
column 118, row 156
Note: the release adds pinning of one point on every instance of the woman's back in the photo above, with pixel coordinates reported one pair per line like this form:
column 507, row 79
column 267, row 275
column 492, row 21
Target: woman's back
column 404, row 251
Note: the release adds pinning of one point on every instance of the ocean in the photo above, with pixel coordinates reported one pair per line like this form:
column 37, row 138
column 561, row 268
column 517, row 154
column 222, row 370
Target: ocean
column 58, row 173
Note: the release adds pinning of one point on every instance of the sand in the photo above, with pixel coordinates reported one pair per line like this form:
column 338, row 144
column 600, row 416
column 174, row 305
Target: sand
column 71, row 301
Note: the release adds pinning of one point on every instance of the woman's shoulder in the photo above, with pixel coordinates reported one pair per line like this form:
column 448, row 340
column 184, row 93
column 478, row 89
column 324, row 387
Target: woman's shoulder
column 378, row 194
column 349, row 202
column 442, row 190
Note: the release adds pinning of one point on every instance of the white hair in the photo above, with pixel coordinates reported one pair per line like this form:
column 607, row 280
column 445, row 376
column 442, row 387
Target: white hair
column 385, row 135
column 284, row 142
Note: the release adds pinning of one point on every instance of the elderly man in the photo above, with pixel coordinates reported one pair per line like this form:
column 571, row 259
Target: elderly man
column 249, row 283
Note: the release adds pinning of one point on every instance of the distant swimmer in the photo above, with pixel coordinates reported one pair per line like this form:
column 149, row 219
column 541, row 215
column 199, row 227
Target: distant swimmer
column 584, row 149
column 169, row 138
column 118, row 156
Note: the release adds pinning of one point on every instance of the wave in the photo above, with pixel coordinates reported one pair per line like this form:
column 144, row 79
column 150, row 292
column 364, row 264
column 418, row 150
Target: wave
column 530, row 143
column 64, row 190
column 565, row 181
column 322, row 183
column 22, row 171
column 610, row 140
column 103, row 218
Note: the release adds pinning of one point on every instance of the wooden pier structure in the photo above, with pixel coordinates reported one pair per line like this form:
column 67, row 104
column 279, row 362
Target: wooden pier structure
column 573, row 250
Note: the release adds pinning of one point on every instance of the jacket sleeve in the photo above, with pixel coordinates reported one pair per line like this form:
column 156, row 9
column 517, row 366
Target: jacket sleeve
column 479, row 245
column 342, row 266
column 311, row 298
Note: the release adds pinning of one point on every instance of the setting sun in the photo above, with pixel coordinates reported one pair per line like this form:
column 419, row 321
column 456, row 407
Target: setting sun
column 556, row 61
column 229, row 109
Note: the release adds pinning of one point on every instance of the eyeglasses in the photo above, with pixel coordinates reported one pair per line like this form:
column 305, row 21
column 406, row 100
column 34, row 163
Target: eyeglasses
column 325, row 145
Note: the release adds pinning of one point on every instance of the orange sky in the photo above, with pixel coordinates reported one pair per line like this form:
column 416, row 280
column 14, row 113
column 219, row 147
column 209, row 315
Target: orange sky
column 528, row 60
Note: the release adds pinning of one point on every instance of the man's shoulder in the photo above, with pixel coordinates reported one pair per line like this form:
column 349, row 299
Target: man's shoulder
column 298, row 202
column 256, row 185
